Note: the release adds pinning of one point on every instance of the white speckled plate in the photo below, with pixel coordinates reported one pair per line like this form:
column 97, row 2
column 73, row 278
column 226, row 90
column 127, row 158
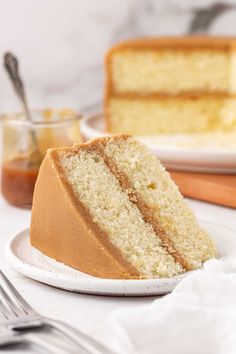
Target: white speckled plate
column 32, row 263
column 211, row 153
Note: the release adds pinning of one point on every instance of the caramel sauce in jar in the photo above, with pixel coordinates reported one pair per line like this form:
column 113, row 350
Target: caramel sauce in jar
column 18, row 180
column 25, row 144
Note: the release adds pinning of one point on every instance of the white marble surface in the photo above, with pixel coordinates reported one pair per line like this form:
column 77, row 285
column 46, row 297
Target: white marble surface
column 87, row 312
column 61, row 44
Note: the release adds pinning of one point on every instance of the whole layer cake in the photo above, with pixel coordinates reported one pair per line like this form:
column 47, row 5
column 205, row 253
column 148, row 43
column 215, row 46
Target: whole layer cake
column 171, row 85
column 109, row 208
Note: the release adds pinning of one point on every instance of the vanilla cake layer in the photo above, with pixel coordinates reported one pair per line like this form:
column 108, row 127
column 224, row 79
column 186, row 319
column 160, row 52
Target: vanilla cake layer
column 150, row 116
column 172, row 66
column 173, row 72
column 109, row 208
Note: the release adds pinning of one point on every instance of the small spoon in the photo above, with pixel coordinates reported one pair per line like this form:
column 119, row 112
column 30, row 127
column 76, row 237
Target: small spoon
column 11, row 66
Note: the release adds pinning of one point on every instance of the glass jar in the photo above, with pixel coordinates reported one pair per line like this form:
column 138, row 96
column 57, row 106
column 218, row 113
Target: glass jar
column 24, row 145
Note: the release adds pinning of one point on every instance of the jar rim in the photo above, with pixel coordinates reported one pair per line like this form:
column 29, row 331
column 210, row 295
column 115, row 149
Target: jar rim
column 14, row 118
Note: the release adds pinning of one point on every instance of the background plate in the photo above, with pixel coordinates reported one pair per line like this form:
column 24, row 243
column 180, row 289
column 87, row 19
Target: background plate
column 210, row 153
column 32, row 263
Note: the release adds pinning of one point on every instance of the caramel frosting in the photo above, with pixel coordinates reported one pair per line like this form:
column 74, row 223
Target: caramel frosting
column 187, row 42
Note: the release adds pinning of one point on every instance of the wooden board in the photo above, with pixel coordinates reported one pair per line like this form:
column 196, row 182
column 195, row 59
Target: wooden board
column 218, row 189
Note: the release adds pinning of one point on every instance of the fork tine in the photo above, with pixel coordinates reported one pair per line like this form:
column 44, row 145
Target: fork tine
column 15, row 310
column 16, row 295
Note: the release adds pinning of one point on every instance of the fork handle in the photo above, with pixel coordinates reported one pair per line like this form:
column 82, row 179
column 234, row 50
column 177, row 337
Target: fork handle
column 41, row 342
column 35, row 339
column 51, row 347
column 85, row 341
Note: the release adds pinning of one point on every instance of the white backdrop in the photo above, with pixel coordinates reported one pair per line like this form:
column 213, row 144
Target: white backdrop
column 61, row 43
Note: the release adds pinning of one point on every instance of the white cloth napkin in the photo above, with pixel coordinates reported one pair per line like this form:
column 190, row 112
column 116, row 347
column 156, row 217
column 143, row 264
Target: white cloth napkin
column 198, row 317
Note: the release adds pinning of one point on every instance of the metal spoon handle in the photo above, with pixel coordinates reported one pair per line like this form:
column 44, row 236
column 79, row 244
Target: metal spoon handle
column 12, row 68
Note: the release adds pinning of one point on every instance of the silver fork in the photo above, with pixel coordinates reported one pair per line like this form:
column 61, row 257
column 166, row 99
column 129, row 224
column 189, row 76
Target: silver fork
column 19, row 315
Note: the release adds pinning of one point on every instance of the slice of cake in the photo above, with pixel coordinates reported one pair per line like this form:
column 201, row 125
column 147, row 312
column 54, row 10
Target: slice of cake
column 109, row 208
column 171, row 85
